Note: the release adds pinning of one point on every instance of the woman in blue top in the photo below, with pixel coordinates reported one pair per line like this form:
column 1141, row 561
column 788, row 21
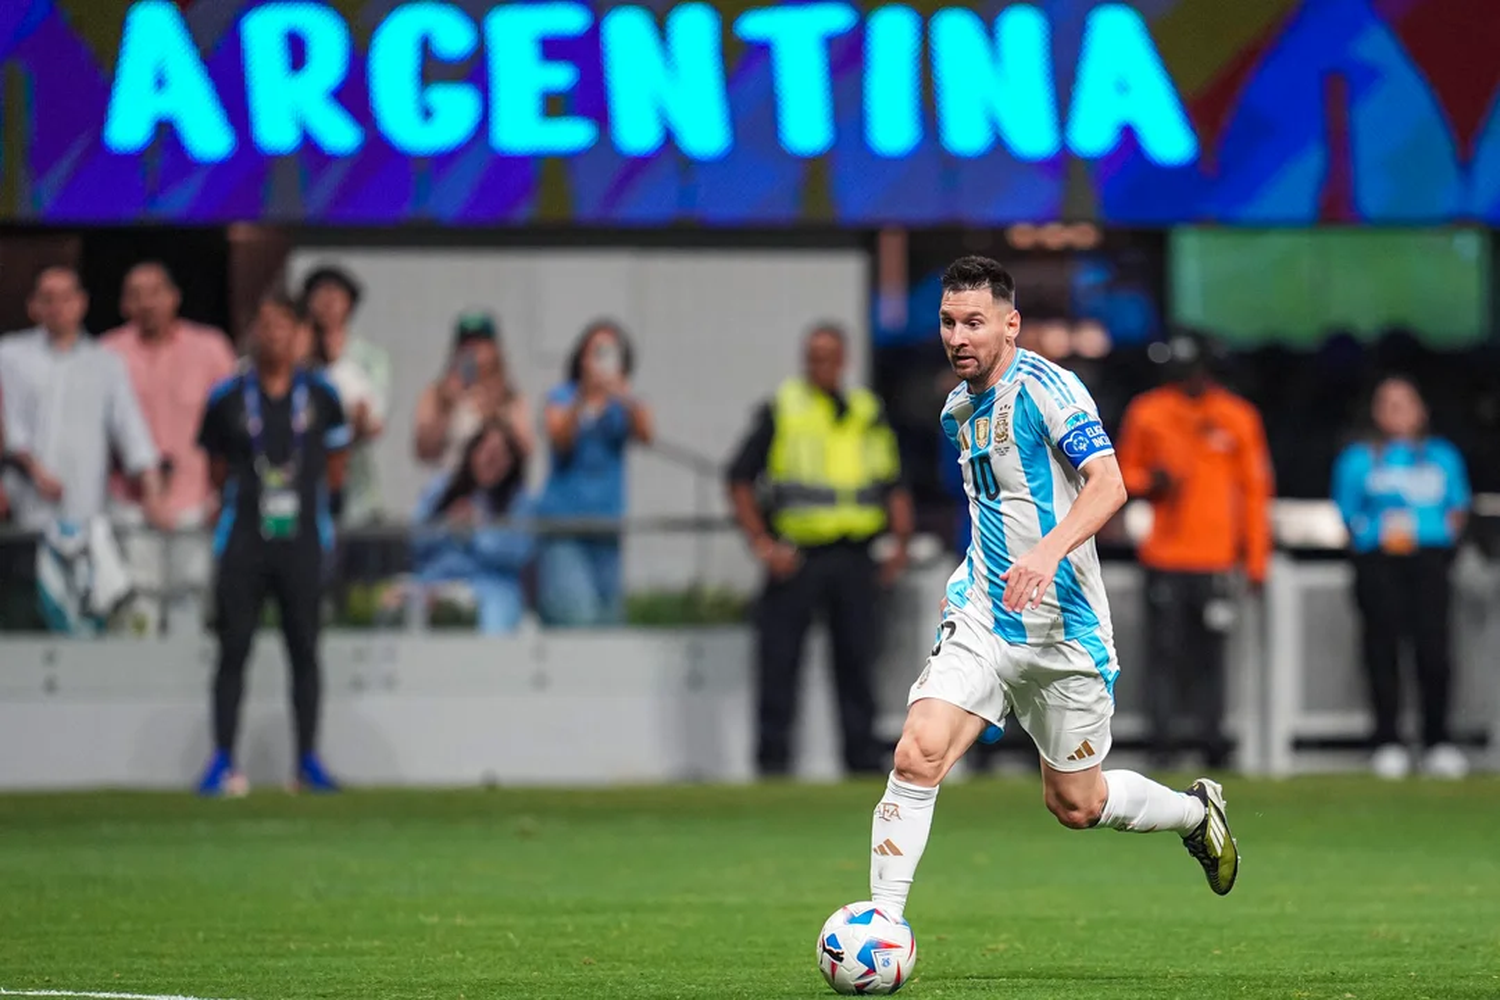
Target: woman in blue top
column 590, row 419
column 462, row 542
column 1404, row 496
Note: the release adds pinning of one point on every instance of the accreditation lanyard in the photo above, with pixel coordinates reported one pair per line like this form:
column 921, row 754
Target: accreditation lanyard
column 279, row 502
column 256, row 425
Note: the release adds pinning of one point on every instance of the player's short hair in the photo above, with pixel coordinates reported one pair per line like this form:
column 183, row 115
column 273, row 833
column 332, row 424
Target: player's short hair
column 972, row 273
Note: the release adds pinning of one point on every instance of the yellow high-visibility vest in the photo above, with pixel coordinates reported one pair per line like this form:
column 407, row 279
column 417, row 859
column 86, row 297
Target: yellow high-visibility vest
column 829, row 474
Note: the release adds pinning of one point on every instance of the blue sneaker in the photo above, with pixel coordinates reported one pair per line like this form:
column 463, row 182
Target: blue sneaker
column 311, row 776
column 221, row 780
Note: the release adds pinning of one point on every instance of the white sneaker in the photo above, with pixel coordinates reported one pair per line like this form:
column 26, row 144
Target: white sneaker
column 1391, row 762
column 1445, row 761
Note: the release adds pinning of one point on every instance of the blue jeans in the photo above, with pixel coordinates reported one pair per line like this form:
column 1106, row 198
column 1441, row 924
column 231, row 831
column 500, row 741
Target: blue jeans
column 498, row 598
column 578, row 582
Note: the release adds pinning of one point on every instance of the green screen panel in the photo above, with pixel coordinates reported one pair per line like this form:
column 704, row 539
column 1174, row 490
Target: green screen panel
column 1293, row 286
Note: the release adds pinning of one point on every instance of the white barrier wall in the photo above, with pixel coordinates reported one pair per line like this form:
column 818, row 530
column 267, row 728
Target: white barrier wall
column 580, row 708
column 637, row 706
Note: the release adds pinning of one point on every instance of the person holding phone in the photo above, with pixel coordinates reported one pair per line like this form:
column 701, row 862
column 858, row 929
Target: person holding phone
column 473, row 391
column 590, row 419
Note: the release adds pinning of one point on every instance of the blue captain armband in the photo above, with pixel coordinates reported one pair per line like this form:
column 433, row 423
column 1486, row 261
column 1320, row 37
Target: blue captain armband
column 1084, row 441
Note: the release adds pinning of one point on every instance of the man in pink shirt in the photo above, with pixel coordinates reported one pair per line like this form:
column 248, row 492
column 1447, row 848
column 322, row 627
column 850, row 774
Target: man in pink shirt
column 173, row 364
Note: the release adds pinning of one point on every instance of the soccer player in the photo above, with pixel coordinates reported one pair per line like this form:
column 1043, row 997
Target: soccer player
column 1026, row 625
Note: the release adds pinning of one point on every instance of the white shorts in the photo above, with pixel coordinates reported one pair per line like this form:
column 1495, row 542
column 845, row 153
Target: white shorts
column 1062, row 694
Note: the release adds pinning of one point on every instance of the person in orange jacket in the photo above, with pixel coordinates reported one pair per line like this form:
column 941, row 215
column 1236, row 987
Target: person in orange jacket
column 1198, row 453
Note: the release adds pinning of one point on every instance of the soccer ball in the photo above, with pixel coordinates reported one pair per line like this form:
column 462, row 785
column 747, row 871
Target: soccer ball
column 864, row 950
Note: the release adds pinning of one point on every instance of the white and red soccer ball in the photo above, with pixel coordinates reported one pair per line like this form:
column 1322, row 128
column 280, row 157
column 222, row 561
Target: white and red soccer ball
column 865, row 951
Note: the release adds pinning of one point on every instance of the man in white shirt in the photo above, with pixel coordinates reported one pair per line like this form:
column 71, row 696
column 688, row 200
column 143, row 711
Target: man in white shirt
column 68, row 405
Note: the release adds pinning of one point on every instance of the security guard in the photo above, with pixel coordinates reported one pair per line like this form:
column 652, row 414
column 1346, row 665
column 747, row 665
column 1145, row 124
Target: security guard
column 1198, row 453
column 817, row 479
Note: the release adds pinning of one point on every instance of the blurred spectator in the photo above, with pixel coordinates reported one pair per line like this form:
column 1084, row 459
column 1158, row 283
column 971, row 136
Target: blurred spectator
column 5, row 510
column 1047, row 336
column 465, row 545
column 173, row 365
column 67, row 403
column 1119, row 297
column 830, row 469
column 590, row 418
column 474, row 391
column 361, row 372
column 1198, row 453
column 276, row 439
column 1088, row 357
column 1090, row 339
column 1404, row 495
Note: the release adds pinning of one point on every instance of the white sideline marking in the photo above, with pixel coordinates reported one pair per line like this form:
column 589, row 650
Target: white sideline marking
column 93, row 996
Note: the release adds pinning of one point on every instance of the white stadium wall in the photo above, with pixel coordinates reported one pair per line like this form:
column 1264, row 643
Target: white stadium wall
column 646, row 706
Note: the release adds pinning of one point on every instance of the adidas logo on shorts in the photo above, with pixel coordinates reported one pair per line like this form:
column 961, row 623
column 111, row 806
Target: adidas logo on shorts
column 1084, row 752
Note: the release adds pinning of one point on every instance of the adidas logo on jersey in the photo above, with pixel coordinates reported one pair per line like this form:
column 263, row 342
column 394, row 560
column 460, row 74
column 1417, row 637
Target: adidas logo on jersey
column 1084, row 752
column 887, row 849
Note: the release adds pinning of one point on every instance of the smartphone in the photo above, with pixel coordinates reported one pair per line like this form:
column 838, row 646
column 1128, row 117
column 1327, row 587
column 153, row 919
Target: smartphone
column 468, row 370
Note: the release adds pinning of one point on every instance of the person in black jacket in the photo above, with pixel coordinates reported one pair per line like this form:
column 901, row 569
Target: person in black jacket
column 277, row 443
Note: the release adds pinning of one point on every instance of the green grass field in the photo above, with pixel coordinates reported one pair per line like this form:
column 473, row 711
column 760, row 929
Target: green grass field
column 1350, row 888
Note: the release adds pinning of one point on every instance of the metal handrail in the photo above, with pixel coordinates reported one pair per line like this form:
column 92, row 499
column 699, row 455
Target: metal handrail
column 398, row 530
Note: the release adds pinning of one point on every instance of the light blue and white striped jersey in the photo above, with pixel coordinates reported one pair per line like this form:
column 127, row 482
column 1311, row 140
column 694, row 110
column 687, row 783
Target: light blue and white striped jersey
column 1021, row 445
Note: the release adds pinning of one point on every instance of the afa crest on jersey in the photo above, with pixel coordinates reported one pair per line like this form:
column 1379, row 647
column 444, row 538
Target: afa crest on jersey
column 1002, row 426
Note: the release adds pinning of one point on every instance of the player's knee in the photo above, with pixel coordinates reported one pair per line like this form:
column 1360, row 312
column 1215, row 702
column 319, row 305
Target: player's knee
column 1074, row 812
column 920, row 757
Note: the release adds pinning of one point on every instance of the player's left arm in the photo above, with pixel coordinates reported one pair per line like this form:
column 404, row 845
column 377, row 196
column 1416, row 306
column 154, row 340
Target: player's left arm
column 1071, row 423
column 1102, row 496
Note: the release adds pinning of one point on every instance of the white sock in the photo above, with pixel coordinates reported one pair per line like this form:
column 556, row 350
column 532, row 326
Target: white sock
column 903, row 818
column 1140, row 805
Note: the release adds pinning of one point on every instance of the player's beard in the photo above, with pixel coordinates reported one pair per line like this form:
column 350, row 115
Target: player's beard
column 983, row 370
